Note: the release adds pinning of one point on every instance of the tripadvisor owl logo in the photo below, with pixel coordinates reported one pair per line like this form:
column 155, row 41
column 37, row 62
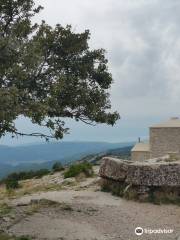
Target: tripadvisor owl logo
column 139, row 231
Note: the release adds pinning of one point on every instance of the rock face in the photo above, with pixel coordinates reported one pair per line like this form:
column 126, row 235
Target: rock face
column 157, row 172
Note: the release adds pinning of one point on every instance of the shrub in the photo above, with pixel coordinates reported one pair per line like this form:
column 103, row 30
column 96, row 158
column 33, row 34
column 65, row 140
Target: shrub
column 116, row 188
column 23, row 238
column 162, row 195
column 57, row 167
column 11, row 184
column 76, row 169
column 40, row 173
column 15, row 177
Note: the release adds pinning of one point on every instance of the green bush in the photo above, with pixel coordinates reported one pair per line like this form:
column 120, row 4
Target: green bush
column 57, row 167
column 76, row 169
column 11, row 184
column 23, row 238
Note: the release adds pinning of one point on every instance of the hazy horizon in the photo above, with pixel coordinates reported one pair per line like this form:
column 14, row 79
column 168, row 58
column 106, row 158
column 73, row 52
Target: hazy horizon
column 63, row 141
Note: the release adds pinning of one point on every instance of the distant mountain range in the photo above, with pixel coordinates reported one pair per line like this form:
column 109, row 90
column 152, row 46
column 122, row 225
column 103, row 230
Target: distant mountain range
column 38, row 156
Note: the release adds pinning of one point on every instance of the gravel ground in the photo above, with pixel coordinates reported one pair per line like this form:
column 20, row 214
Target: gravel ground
column 96, row 215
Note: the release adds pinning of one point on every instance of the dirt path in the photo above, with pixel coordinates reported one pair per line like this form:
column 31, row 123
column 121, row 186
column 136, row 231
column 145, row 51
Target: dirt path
column 96, row 215
column 72, row 196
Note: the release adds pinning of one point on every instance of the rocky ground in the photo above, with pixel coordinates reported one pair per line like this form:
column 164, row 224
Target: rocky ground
column 78, row 210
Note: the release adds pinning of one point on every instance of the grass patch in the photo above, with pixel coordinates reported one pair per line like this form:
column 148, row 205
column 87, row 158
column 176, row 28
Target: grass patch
column 40, row 188
column 4, row 236
column 76, row 169
column 4, row 209
column 27, row 189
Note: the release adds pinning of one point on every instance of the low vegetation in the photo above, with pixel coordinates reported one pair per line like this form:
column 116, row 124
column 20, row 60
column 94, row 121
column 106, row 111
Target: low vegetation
column 23, row 183
column 57, row 167
column 23, row 238
column 155, row 195
column 161, row 195
column 28, row 175
column 12, row 180
column 4, row 236
column 4, row 209
column 11, row 183
column 75, row 169
column 113, row 187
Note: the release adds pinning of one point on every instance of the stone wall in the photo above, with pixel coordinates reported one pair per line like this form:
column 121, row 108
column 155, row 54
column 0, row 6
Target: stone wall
column 156, row 180
column 164, row 141
column 153, row 172
column 139, row 155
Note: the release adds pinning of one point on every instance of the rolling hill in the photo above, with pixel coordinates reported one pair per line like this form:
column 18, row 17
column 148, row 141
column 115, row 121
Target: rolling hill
column 38, row 156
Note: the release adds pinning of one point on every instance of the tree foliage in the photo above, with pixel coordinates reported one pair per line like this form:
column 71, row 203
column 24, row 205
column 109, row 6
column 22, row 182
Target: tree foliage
column 48, row 74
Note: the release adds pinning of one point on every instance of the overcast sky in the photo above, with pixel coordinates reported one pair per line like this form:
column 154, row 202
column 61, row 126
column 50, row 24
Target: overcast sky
column 142, row 40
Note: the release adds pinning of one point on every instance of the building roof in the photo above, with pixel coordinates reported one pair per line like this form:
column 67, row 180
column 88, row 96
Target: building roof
column 173, row 122
column 141, row 147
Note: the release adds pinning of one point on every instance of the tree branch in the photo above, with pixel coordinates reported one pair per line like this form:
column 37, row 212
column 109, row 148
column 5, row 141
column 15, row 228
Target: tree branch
column 34, row 135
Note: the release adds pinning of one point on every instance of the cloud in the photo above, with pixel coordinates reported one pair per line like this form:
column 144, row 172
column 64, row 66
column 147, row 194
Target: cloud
column 142, row 40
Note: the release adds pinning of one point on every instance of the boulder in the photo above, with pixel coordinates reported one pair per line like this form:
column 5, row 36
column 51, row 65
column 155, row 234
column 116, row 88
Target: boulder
column 114, row 169
column 157, row 172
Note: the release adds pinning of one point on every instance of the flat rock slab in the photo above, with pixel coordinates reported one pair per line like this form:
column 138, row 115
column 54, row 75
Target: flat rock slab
column 153, row 172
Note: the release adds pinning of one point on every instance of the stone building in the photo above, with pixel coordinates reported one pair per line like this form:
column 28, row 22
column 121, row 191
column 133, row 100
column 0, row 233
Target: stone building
column 140, row 152
column 164, row 139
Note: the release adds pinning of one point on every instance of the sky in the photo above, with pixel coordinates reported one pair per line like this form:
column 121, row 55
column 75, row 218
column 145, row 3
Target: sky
column 142, row 43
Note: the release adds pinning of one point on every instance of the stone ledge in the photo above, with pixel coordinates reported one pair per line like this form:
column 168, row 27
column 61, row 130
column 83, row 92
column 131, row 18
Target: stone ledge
column 154, row 172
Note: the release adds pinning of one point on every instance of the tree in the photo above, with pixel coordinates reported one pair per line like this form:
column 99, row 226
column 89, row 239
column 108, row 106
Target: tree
column 49, row 74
